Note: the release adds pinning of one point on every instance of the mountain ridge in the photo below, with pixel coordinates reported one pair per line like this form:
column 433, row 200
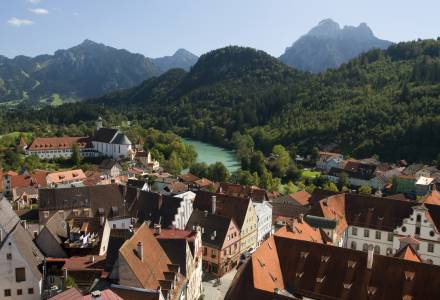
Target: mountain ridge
column 327, row 45
column 86, row 70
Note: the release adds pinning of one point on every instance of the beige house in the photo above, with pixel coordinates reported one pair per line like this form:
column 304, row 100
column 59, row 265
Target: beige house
column 241, row 210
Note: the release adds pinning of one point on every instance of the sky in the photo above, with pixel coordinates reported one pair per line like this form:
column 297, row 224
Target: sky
column 157, row 28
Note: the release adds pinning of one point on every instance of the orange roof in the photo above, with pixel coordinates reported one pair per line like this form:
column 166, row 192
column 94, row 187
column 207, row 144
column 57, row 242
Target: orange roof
column 300, row 230
column 65, row 142
column 150, row 270
column 333, row 208
column 302, row 197
column 203, row 182
column 174, row 234
column 408, row 253
column 433, row 198
column 266, row 269
column 78, row 263
column 36, row 178
column 60, row 177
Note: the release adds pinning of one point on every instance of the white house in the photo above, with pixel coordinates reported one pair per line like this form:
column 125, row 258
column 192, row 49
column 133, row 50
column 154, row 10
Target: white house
column 387, row 225
column 185, row 209
column 328, row 160
column 110, row 142
column 20, row 276
column 60, row 147
column 264, row 220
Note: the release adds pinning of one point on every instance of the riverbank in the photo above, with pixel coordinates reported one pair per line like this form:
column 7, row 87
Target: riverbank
column 210, row 154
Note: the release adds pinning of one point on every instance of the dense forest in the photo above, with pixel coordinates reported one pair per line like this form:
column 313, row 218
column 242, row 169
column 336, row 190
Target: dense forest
column 385, row 102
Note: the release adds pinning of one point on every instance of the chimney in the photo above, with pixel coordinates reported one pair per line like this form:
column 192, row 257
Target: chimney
column 140, row 251
column 157, row 229
column 92, row 259
column 300, row 218
column 370, row 258
column 213, row 204
column 101, row 220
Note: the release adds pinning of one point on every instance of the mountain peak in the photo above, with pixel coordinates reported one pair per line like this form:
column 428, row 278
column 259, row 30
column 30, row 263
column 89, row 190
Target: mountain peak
column 325, row 28
column 328, row 46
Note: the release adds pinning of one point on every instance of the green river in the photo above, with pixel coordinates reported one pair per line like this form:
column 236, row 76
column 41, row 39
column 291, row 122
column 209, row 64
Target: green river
column 210, row 154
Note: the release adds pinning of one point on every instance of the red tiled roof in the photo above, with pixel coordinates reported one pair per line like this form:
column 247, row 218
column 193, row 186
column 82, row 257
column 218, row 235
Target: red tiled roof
column 54, row 143
column 150, row 270
column 64, row 176
column 302, row 197
column 36, row 178
column 408, row 253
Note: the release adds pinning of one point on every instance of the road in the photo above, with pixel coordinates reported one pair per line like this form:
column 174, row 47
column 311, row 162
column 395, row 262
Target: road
column 212, row 292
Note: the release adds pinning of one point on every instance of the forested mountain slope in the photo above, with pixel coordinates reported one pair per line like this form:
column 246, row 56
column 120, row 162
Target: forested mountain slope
column 384, row 102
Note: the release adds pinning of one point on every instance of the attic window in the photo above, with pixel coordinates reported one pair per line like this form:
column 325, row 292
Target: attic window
column 320, row 279
column 270, row 246
column 262, row 264
column 371, row 290
column 299, row 274
column 351, row 264
column 274, row 278
column 409, row 275
column 325, row 258
column 304, row 254
column 347, row 285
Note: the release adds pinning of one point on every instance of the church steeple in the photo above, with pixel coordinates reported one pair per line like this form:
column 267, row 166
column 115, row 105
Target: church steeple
column 98, row 123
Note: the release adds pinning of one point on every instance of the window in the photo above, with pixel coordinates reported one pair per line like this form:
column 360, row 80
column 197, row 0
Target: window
column 46, row 214
column 20, row 274
column 354, row 231
column 389, row 251
column 30, row 291
column 417, row 230
column 8, row 256
column 366, row 233
column 376, row 249
column 403, row 229
column 378, row 235
column 7, row 293
column 419, row 218
column 353, row 245
column 19, row 292
column 205, row 251
column 430, row 247
column 365, row 247
column 114, row 226
column 390, row 236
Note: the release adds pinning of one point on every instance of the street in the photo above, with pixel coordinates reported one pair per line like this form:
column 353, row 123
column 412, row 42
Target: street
column 212, row 292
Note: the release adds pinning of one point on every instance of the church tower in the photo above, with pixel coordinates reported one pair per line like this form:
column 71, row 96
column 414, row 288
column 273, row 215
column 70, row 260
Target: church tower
column 98, row 123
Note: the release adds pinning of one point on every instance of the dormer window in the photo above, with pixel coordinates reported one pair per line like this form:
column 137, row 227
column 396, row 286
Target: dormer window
column 304, row 254
column 351, row 264
column 325, row 259
column 347, row 285
column 299, row 274
column 371, row 290
column 320, row 279
column 409, row 275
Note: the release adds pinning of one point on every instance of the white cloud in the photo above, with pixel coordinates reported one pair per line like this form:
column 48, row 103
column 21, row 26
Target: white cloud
column 19, row 22
column 34, row 1
column 39, row 11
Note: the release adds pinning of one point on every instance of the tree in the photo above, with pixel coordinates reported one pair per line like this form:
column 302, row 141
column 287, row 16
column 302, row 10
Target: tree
column 200, row 169
column 76, row 155
column 293, row 172
column 257, row 163
column 343, row 180
column 218, row 172
column 290, row 188
column 281, row 160
column 314, row 155
column 173, row 164
column 330, row 186
column 365, row 190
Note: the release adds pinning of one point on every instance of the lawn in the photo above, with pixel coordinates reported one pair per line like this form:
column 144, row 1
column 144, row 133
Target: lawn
column 310, row 174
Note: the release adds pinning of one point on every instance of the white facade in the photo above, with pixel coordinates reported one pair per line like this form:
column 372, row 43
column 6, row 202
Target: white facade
column 112, row 150
column 264, row 220
column 11, row 262
column 185, row 210
column 326, row 162
column 61, row 153
column 120, row 223
column 418, row 225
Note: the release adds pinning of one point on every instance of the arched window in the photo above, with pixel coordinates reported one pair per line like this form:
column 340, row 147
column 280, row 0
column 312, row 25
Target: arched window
column 376, row 249
column 389, row 251
column 353, row 245
column 419, row 218
column 365, row 247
